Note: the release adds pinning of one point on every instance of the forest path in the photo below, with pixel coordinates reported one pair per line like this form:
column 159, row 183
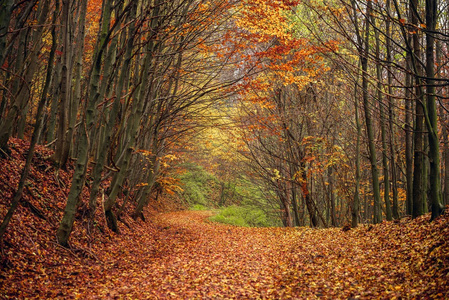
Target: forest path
column 188, row 257
column 182, row 255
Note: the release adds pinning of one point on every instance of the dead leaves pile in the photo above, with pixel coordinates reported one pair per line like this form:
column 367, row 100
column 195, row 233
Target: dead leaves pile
column 181, row 255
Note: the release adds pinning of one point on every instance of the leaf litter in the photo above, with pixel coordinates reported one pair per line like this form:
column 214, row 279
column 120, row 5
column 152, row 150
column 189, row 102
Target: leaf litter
column 182, row 255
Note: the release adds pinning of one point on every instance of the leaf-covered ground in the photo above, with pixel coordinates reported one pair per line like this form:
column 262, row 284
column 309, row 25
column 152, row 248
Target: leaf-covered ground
column 181, row 255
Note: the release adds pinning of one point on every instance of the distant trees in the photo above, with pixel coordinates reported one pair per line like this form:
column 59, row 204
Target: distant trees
column 385, row 55
column 399, row 28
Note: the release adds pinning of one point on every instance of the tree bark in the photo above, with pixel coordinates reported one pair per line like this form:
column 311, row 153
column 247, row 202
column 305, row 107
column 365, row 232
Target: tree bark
column 409, row 146
column 383, row 121
column 106, row 141
column 391, row 114
column 61, row 153
column 431, row 115
column 418, row 163
column 66, row 224
column 377, row 218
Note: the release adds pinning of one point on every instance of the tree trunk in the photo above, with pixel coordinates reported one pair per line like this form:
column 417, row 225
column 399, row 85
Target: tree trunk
column 418, row 169
column 106, row 141
column 295, row 206
column 383, row 122
column 77, row 78
column 308, row 200
column 409, row 146
column 356, row 200
column 445, row 134
column 61, row 152
column 444, row 120
column 432, row 118
column 66, row 224
column 391, row 115
column 132, row 128
column 332, row 197
column 368, row 121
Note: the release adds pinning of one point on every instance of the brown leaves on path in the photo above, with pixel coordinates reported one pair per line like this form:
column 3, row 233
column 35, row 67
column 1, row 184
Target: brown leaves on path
column 408, row 259
column 183, row 256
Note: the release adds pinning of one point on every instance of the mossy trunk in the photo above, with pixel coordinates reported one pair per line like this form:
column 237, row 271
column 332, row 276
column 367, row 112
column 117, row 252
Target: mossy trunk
column 66, row 224
column 105, row 139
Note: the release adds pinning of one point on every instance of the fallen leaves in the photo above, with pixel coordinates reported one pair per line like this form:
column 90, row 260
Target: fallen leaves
column 181, row 255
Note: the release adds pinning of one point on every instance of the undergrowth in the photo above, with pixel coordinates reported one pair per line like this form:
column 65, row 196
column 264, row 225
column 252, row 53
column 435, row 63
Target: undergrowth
column 245, row 216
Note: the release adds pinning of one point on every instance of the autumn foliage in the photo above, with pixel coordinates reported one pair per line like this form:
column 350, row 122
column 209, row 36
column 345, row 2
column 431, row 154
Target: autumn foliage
column 118, row 116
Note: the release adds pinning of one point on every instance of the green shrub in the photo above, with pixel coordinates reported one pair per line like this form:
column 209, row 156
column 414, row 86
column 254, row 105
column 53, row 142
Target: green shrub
column 198, row 207
column 198, row 186
column 246, row 216
column 194, row 193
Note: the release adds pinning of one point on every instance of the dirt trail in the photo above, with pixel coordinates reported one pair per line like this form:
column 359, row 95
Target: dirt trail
column 183, row 256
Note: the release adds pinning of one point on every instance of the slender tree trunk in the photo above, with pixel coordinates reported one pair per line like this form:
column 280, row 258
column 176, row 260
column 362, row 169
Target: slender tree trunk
column 66, row 224
column 308, row 200
column 409, row 147
column 55, row 88
column 332, row 197
column 432, row 119
column 356, row 200
column 368, row 120
column 294, row 193
column 383, row 122
column 418, row 170
column 444, row 120
column 295, row 206
column 426, row 173
column 107, row 139
column 445, row 134
column 77, row 78
column 391, row 114
column 61, row 156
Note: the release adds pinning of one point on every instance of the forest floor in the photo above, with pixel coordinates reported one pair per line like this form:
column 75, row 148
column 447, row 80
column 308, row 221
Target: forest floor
column 182, row 255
